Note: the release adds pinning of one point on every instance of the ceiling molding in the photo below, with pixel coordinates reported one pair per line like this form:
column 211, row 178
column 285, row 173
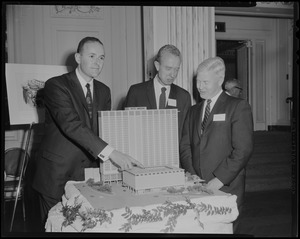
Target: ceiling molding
column 262, row 9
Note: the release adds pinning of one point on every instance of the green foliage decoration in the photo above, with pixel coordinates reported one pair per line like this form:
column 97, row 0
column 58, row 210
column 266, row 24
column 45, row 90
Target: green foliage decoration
column 171, row 211
column 99, row 186
column 91, row 217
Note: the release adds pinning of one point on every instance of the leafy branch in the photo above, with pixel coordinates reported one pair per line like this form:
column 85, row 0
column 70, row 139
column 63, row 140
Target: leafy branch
column 70, row 213
column 89, row 218
column 198, row 188
column 99, row 186
column 170, row 210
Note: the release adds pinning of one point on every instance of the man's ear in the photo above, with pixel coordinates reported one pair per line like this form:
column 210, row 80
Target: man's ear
column 77, row 58
column 221, row 80
column 156, row 64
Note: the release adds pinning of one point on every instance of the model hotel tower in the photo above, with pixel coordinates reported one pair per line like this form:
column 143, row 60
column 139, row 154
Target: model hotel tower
column 149, row 136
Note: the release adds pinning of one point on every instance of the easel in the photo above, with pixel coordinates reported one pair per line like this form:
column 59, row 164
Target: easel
column 21, row 175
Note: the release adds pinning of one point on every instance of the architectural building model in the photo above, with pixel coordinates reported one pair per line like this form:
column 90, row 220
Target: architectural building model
column 153, row 178
column 150, row 136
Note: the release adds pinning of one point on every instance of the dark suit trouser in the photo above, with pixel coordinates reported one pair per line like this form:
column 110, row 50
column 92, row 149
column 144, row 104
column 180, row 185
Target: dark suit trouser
column 237, row 222
column 46, row 203
column 240, row 205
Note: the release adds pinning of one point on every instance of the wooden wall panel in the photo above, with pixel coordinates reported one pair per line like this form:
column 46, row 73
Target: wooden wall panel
column 191, row 29
column 260, row 89
column 191, row 32
column 49, row 34
column 134, row 46
column 283, row 72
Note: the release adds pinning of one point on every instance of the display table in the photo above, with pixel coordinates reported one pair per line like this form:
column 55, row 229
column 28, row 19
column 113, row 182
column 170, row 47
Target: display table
column 122, row 211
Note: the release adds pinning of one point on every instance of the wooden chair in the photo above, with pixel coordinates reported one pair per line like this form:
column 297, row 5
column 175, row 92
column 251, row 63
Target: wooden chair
column 16, row 160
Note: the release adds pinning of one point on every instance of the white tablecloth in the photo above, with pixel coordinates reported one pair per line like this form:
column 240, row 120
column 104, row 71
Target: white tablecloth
column 221, row 210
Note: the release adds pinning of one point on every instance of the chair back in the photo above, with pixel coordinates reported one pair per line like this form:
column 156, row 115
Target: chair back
column 13, row 162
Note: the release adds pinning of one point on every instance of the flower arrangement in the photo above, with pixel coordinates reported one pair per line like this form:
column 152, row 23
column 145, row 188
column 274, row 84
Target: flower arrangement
column 168, row 210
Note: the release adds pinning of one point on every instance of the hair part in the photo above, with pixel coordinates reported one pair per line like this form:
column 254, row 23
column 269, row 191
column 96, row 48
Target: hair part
column 167, row 49
column 213, row 64
column 85, row 40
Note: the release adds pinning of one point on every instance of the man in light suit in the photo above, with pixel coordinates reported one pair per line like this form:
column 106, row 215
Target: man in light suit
column 147, row 94
column 71, row 142
column 218, row 151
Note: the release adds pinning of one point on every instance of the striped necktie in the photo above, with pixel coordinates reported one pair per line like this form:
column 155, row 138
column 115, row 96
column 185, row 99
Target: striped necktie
column 89, row 100
column 206, row 114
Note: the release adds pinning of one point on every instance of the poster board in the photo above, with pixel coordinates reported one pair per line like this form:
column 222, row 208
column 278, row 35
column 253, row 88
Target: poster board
column 24, row 85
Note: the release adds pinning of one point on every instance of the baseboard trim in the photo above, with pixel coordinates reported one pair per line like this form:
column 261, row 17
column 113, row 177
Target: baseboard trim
column 279, row 128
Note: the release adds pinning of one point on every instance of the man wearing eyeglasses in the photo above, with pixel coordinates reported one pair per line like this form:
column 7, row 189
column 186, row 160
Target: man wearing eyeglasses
column 233, row 87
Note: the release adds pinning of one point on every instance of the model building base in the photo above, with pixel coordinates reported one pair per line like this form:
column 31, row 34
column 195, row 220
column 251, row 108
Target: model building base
column 152, row 179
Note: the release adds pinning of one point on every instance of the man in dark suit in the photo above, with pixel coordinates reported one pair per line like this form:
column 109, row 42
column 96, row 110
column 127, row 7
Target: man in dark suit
column 218, row 150
column 233, row 87
column 71, row 142
column 147, row 94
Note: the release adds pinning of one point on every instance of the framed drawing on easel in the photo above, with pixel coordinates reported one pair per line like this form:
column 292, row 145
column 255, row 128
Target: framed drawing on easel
column 24, row 84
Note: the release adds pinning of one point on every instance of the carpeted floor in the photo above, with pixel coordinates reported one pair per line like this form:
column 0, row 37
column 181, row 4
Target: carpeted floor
column 268, row 201
column 270, row 165
column 268, row 214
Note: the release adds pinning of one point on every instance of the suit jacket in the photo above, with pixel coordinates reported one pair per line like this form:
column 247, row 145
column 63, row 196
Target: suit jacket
column 143, row 95
column 224, row 147
column 71, row 142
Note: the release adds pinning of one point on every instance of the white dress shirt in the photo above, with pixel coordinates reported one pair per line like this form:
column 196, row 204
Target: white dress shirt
column 212, row 103
column 104, row 154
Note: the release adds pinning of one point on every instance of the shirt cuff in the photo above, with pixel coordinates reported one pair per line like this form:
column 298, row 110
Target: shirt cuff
column 104, row 154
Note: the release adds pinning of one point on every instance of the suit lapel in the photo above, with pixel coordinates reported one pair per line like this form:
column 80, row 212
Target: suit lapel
column 172, row 95
column 151, row 94
column 96, row 99
column 199, row 116
column 78, row 89
column 79, row 94
column 217, row 107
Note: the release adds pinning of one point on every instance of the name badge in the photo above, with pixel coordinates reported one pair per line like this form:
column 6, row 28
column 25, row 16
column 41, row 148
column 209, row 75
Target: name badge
column 219, row 117
column 172, row 102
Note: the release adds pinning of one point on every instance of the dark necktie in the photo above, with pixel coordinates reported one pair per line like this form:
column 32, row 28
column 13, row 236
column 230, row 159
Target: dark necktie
column 206, row 114
column 89, row 100
column 162, row 98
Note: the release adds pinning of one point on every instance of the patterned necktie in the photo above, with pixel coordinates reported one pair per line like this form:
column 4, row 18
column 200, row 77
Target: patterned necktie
column 206, row 114
column 162, row 98
column 89, row 100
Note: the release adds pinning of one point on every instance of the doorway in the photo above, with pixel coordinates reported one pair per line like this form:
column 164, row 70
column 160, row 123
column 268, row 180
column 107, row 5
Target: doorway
column 236, row 58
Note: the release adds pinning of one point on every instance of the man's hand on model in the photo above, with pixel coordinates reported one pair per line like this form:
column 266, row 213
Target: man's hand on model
column 124, row 161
